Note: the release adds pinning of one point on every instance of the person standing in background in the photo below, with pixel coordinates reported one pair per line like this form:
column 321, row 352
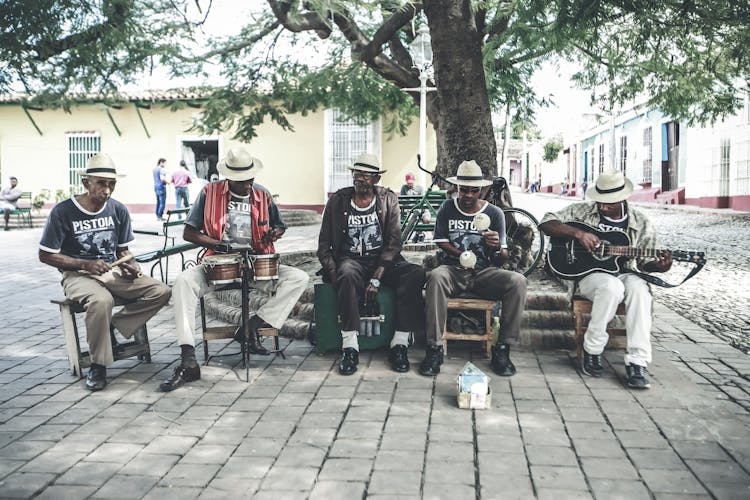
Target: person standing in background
column 180, row 179
column 160, row 187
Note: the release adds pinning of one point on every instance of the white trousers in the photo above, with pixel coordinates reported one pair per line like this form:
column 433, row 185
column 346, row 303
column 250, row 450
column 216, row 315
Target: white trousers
column 606, row 292
column 192, row 284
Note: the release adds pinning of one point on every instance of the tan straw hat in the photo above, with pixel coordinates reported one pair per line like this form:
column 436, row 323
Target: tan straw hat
column 367, row 162
column 611, row 187
column 101, row 165
column 469, row 173
column 238, row 165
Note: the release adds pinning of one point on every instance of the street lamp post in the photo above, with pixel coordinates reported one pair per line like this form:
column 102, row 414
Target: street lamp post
column 421, row 52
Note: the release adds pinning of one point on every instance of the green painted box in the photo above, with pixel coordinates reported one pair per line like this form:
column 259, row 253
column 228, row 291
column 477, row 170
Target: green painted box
column 328, row 328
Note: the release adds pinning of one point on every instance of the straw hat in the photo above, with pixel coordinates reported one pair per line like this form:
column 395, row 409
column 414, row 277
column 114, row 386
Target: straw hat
column 469, row 173
column 611, row 187
column 238, row 165
column 367, row 162
column 101, row 165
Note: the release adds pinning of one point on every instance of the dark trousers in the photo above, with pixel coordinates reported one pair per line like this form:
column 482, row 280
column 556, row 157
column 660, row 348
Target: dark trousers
column 406, row 278
column 181, row 193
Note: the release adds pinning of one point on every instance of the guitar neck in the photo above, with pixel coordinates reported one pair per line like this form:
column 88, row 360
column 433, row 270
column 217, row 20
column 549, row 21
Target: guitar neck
column 633, row 252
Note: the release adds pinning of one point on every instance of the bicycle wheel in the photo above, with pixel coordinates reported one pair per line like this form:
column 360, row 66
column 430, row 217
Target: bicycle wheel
column 525, row 241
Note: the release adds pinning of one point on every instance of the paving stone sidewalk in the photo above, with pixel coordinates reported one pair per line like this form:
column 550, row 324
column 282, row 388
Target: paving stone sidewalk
column 299, row 430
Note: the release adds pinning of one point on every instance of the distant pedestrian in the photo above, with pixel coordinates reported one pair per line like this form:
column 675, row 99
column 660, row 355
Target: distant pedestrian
column 181, row 178
column 410, row 189
column 160, row 187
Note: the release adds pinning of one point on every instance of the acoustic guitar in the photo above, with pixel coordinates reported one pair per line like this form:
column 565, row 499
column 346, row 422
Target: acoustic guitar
column 569, row 260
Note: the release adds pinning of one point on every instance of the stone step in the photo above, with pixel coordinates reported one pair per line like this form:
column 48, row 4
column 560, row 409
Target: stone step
column 297, row 217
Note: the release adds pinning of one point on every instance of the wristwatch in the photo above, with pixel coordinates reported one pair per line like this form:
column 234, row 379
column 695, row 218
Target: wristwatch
column 375, row 282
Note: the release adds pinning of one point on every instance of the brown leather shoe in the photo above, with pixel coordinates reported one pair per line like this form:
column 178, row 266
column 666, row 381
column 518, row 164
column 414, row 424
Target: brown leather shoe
column 181, row 376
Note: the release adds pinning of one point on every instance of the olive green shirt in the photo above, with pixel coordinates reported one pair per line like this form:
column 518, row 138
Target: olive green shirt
column 640, row 230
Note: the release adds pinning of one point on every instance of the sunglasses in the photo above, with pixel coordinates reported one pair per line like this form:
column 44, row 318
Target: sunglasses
column 466, row 189
column 364, row 175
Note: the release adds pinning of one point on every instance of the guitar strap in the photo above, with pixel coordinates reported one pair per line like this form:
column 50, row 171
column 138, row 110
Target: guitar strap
column 660, row 282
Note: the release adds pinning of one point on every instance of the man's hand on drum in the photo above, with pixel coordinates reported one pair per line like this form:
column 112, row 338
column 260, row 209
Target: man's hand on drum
column 274, row 234
column 95, row 267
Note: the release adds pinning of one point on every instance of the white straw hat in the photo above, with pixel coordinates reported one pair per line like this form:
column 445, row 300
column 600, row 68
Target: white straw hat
column 367, row 162
column 101, row 165
column 469, row 173
column 611, row 187
column 239, row 165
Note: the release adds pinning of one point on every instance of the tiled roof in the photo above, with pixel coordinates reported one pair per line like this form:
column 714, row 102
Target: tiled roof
column 140, row 96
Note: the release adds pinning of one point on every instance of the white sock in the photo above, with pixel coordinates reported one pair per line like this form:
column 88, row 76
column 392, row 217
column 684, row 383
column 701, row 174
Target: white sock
column 349, row 339
column 400, row 338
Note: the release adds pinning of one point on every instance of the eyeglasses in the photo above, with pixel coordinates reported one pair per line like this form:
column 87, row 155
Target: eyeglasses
column 467, row 189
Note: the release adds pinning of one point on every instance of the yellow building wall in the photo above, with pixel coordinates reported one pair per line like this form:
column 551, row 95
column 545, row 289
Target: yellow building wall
column 294, row 162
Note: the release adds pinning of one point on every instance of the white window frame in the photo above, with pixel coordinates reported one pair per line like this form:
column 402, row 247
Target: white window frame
column 89, row 144
column 338, row 157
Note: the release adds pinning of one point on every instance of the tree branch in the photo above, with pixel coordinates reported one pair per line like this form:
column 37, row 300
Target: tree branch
column 118, row 13
column 236, row 47
column 297, row 22
column 389, row 28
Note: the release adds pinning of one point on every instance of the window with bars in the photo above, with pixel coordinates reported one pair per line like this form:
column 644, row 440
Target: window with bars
column 648, row 154
column 347, row 139
column 624, row 154
column 725, row 150
column 742, row 160
column 81, row 146
column 601, row 158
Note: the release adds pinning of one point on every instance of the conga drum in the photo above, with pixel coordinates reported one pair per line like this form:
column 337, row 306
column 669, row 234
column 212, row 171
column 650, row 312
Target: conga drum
column 222, row 269
column 265, row 267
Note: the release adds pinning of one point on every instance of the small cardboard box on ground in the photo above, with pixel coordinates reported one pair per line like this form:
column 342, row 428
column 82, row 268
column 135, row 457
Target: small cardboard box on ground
column 474, row 390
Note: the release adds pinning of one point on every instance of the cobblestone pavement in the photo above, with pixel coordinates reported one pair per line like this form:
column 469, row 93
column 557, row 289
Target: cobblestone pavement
column 299, row 430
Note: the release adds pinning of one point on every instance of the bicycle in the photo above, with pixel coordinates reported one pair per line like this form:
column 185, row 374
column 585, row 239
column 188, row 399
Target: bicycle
column 423, row 212
column 525, row 240
column 523, row 237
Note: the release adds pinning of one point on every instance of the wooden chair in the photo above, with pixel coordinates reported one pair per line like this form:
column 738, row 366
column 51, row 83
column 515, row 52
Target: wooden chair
column 227, row 332
column 78, row 359
column 582, row 306
column 471, row 304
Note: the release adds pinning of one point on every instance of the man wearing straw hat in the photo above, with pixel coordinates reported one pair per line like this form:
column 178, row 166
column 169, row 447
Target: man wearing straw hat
column 456, row 233
column 359, row 247
column 84, row 236
column 235, row 211
column 608, row 210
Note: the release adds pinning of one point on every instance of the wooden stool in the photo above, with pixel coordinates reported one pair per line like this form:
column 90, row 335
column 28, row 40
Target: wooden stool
column 582, row 306
column 77, row 359
column 472, row 304
column 227, row 332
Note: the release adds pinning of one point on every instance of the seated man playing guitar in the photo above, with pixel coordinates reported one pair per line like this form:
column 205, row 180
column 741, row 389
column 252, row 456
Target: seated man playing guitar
column 606, row 286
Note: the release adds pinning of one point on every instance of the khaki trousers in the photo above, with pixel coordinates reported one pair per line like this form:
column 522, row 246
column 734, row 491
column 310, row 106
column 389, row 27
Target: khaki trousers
column 192, row 284
column 97, row 294
column 490, row 283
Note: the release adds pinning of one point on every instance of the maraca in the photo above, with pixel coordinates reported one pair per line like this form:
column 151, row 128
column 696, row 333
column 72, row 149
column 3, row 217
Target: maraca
column 467, row 259
column 482, row 221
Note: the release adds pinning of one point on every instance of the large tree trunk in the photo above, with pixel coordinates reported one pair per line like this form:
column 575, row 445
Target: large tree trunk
column 464, row 129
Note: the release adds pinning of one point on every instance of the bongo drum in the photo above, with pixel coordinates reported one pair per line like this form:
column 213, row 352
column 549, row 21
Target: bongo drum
column 222, row 269
column 266, row 267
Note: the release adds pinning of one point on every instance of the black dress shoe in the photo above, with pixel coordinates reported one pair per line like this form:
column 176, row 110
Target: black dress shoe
column 501, row 363
column 181, row 376
column 349, row 361
column 96, row 380
column 432, row 360
column 398, row 358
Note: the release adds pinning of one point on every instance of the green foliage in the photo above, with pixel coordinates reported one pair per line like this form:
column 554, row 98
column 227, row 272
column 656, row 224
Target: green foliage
column 40, row 199
column 552, row 150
